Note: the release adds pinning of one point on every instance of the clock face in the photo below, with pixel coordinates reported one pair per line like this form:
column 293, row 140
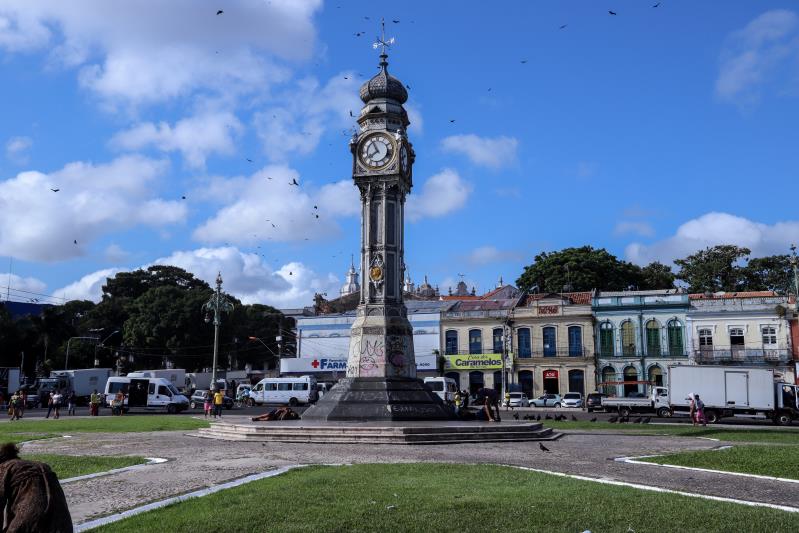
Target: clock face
column 404, row 158
column 377, row 151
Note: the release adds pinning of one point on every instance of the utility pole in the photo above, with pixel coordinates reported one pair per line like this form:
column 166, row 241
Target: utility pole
column 217, row 304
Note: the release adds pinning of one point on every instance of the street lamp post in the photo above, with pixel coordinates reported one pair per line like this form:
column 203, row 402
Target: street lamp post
column 66, row 360
column 102, row 343
column 217, row 304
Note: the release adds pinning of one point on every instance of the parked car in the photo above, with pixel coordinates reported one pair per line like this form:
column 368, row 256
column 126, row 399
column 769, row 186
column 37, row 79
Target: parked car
column 518, row 399
column 548, row 400
column 198, row 399
column 573, row 399
column 594, row 401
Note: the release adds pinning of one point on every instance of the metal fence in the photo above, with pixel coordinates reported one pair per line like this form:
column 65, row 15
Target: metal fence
column 742, row 355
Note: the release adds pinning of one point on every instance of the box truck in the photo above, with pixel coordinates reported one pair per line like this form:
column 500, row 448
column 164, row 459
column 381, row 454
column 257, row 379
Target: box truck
column 732, row 391
column 84, row 381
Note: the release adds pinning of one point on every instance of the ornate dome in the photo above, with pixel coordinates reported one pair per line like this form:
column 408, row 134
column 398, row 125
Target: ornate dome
column 384, row 85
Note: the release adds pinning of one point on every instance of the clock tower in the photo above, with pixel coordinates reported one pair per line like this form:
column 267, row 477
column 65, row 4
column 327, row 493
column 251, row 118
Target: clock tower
column 381, row 381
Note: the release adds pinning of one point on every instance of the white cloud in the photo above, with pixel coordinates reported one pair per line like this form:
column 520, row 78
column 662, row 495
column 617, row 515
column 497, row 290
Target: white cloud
column 484, row 255
column 415, row 118
column 267, row 198
column 245, row 275
column 717, row 228
column 767, row 47
column 195, row 137
column 305, row 113
column 37, row 224
column 494, row 153
column 19, row 288
column 340, row 198
column 17, row 149
column 89, row 287
column 441, row 194
column 114, row 253
column 148, row 52
column 642, row 229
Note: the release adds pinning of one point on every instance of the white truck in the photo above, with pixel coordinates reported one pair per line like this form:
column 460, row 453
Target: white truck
column 84, row 381
column 732, row 391
column 150, row 394
column 657, row 400
column 176, row 376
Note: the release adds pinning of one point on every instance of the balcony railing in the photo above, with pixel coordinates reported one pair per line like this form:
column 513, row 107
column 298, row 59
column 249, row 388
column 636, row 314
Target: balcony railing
column 637, row 355
column 467, row 352
column 742, row 355
column 565, row 352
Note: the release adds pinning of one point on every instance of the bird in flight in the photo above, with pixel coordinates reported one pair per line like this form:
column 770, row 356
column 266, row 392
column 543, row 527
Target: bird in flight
column 351, row 113
column 249, row 160
column 563, row 27
column 55, row 190
column 315, row 207
column 451, row 121
column 294, row 182
column 611, row 12
column 219, row 12
column 75, row 241
column 182, row 197
column 543, row 448
column 407, row 86
column 358, row 34
column 395, row 21
column 523, row 61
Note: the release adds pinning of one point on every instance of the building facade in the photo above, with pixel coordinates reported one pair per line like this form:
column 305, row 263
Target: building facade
column 744, row 328
column 638, row 334
column 552, row 344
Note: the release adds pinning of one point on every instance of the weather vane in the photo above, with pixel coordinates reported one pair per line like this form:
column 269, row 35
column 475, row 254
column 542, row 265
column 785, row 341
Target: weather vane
column 381, row 40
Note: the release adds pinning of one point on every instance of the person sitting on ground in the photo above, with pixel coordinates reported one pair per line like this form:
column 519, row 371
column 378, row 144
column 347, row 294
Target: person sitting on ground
column 31, row 495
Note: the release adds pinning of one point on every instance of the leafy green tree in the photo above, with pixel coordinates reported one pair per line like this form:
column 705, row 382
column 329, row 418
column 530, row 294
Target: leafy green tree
column 771, row 273
column 579, row 269
column 134, row 284
column 656, row 275
column 715, row 268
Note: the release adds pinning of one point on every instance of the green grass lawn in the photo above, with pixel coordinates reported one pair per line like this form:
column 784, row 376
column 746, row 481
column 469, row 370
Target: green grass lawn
column 30, row 429
column 446, row 497
column 66, row 466
column 785, row 436
column 780, row 461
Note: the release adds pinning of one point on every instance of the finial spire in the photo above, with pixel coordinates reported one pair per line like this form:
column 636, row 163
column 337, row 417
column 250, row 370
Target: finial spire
column 383, row 43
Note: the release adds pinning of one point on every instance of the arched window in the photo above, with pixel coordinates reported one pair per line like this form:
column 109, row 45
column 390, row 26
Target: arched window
column 497, row 338
column 575, row 341
column 674, row 330
column 608, row 375
column 550, row 345
column 628, row 338
column 475, row 341
column 451, row 342
column 656, row 375
column 630, row 374
column 652, row 338
column 524, row 345
column 606, row 339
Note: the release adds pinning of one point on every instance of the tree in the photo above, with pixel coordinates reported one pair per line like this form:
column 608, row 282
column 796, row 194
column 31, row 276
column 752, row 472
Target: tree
column 713, row 269
column 579, row 269
column 656, row 275
column 771, row 273
column 133, row 284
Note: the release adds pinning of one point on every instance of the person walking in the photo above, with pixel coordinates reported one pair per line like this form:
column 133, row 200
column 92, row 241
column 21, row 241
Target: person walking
column 49, row 404
column 208, row 404
column 58, row 399
column 457, row 401
column 24, row 395
column 31, row 495
column 13, row 406
column 94, row 403
column 119, row 400
column 700, row 410
column 71, row 400
column 219, row 400
column 692, row 408
column 507, row 401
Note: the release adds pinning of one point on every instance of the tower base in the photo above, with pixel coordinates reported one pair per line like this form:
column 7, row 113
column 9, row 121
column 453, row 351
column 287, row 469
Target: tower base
column 374, row 399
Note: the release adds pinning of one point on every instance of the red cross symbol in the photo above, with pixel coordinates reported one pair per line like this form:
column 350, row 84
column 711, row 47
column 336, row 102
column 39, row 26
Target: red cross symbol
column 315, row 363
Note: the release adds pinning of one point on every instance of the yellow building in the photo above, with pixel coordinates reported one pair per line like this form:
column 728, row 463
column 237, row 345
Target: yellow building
column 553, row 344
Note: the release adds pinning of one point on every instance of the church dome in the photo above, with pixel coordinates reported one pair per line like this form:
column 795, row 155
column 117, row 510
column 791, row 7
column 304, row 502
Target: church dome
column 384, row 85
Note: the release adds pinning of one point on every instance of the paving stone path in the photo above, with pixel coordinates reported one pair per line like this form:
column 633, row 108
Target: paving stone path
column 197, row 463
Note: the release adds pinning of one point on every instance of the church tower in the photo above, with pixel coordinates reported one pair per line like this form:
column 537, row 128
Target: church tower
column 381, row 381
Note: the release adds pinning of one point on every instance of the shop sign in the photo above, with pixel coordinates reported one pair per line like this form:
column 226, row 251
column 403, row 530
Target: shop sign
column 550, row 374
column 475, row 361
column 547, row 309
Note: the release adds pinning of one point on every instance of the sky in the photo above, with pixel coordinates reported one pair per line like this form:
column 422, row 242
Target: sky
column 151, row 132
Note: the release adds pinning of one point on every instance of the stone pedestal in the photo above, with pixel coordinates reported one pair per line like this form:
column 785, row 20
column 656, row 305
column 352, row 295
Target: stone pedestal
column 375, row 399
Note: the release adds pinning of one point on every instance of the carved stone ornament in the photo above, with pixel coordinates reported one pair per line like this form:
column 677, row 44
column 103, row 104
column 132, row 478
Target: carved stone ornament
column 376, row 272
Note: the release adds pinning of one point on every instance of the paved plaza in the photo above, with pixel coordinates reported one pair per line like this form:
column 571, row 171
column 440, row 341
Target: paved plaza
column 195, row 463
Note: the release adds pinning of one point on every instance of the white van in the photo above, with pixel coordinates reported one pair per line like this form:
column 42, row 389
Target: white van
column 444, row 387
column 285, row 391
column 151, row 394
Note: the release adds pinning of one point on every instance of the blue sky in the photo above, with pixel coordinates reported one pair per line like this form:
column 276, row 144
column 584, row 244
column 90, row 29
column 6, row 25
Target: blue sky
column 653, row 133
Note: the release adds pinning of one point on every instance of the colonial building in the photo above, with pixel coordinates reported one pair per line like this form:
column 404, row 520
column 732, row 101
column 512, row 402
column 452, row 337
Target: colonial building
column 743, row 328
column 351, row 286
column 553, row 344
column 639, row 333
